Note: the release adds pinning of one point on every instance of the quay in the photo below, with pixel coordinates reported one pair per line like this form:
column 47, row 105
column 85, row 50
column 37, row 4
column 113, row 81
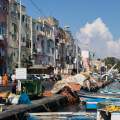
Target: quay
column 47, row 104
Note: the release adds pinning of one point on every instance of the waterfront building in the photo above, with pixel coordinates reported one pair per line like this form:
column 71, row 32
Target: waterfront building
column 9, row 27
column 3, row 34
column 66, row 50
column 43, row 41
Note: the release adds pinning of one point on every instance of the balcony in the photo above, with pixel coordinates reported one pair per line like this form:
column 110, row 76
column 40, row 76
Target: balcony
column 23, row 44
column 41, row 33
column 49, row 36
column 34, row 51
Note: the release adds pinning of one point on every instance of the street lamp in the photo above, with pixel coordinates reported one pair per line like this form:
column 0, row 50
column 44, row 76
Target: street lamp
column 19, row 54
column 66, row 29
column 77, row 56
column 53, row 35
column 31, row 35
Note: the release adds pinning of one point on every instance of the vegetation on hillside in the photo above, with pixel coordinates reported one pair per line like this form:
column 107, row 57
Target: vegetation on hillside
column 110, row 61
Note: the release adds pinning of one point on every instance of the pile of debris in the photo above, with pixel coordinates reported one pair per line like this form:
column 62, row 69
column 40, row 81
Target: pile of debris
column 69, row 87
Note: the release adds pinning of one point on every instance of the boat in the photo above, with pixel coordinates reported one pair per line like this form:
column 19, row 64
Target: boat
column 62, row 116
column 91, row 103
column 108, row 111
column 95, row 96
column 91, row 100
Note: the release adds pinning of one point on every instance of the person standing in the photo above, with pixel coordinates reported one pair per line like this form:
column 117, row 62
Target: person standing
column 0, row 79
column 13, row 77
column 5, row 80
column 14, row 83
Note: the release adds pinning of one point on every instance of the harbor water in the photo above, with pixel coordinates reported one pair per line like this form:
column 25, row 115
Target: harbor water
column 111, row 88
column 78, row 111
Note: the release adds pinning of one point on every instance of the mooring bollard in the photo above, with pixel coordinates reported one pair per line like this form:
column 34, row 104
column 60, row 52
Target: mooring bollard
column 1, row 107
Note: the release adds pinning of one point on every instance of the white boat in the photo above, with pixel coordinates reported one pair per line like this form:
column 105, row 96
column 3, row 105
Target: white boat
column 63, row 116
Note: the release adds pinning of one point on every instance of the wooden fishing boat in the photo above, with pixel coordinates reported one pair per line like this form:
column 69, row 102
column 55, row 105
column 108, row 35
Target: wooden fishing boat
column 91, row 100
column 109, row 112
column 91, row 104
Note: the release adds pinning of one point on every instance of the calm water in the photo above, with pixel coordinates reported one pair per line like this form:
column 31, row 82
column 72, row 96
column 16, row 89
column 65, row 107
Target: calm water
column 114, row 87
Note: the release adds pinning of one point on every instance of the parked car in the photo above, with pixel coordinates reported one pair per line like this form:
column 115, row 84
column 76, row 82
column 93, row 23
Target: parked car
column 45, row 76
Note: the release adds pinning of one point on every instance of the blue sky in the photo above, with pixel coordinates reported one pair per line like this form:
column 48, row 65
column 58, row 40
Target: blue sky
column 76, row 13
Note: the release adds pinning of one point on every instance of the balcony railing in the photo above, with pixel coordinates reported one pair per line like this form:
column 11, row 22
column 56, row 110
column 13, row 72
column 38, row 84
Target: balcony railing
column 23, row 44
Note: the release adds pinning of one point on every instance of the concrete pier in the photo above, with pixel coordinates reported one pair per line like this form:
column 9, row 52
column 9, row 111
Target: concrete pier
column 47, row 104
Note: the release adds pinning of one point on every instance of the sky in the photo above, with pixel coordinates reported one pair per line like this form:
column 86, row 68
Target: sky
column 84, row 16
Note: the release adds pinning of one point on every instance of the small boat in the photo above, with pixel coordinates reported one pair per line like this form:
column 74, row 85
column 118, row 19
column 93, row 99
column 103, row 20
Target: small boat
column 94, row 96
column 102, row 94
column 109, row 112
column 92, row 100
column 62, row 116
column 91, row 103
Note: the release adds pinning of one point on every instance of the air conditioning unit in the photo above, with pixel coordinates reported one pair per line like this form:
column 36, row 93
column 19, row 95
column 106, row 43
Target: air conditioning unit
column 38, row 49
column 1, row 37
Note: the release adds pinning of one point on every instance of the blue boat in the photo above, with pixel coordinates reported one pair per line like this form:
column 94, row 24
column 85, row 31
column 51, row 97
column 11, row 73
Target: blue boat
column 91, row 103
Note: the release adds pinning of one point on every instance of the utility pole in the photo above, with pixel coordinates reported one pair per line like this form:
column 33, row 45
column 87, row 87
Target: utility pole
column 77, row 56
column 54, row 47
column 19, row 55
column 31, row 37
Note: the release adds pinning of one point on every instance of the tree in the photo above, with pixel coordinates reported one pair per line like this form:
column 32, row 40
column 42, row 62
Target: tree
column 118, row 66
column 110, row 61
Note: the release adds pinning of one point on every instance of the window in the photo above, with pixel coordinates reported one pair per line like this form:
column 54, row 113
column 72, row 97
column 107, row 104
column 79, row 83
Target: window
column 52, row 50
column 37, row 38
column 23, row 39
column 27, row 44
column 14, row 7
column 2, row 28
column 18, row 15
column 42, row 45
column 37, row 28
column 3, row 6
column 48, row 46
column 33, row 45
column 23, row 18
column 14, row 54
column 26, row 25
column 14, row 28
column 48, row 58
column 41, row 28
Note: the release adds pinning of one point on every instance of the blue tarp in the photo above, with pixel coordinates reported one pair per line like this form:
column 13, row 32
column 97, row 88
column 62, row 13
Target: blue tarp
column 24, row 99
